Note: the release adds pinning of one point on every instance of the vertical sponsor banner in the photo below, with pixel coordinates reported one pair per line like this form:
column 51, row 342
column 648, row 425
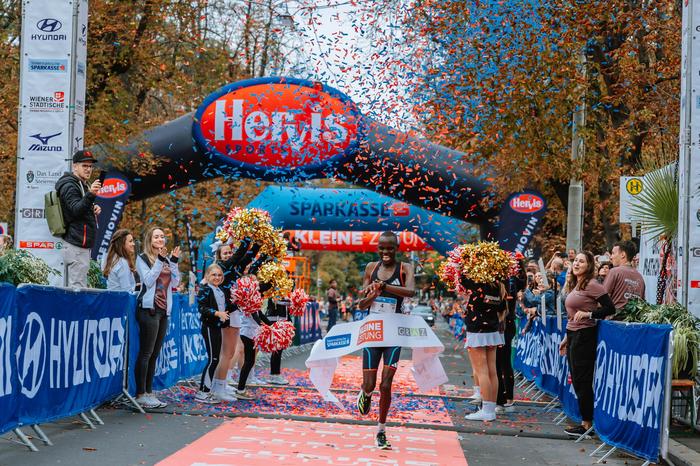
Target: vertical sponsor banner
column 649, row 264
column 193, row 354
column 9, row 391
column 519, row 220
column 46, row 105
column 630, row 383
column 308, row 326
column 688, row 259
column 70, row 350
column 112, row 199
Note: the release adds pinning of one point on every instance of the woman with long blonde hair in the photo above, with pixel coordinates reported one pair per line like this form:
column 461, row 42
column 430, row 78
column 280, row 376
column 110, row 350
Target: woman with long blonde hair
column 159, row 274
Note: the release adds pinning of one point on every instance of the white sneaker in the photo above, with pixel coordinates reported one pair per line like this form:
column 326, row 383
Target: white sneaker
column 243, row 395
column 278, row 380
column 223, row 396
column 506, row 408
column 253, row 380
column 205, row 397
column 476, row 400
column 480, row 415
column 161, row 404
column 146, row 402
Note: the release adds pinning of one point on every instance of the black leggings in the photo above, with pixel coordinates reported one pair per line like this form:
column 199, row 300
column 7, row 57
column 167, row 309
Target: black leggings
column 581, row 350
column 248, row 362
column 276, row 363
column 504, row 368
column 212, row 341
column 153, row 324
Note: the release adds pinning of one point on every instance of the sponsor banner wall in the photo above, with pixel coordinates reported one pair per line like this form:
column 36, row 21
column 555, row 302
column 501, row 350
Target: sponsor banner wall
column 630, row 386
column 70, row 350
column 47, row 102
column 688, row 259
column 9, row 388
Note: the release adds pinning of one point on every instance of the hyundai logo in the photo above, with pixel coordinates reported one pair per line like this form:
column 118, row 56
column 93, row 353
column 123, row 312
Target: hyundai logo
column 31, row 355
column 49, row 25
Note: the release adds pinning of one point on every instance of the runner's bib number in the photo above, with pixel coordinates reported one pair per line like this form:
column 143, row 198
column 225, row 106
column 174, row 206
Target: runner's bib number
column 383, row 305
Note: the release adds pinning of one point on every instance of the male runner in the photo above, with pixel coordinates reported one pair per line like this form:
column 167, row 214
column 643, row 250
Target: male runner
column 386, row 284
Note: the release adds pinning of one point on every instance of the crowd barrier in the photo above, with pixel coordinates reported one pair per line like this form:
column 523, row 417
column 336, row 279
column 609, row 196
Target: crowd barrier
column 64, row 352
column 631, row 386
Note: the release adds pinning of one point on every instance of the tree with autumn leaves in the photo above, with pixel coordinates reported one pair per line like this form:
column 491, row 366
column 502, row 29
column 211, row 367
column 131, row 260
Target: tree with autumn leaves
column 500, row 81
column 149, row 62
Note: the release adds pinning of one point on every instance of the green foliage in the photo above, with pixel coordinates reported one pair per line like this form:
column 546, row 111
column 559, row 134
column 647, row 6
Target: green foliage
column 686, row 329
column 21, row 266
column 95, row 277
column 657, row 205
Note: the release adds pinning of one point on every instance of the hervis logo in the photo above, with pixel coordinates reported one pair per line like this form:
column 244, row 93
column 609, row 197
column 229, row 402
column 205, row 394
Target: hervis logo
column 112, row 187
column 527, row 203
column 400, row 209
column 270, row 125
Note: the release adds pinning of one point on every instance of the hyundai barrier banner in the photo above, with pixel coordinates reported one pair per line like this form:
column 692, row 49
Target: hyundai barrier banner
column 70, row 350
column 183, row 354
column 537, row 358
column 51, row 114
column 9, row 390
column 630, row 376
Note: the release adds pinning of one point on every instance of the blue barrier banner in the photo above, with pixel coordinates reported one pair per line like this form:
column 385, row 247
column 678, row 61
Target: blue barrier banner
column 193, row 351
column 168, row 370
column 553, row 367
column 629, row 386
column 70, row 350
column 133, row 350
column 309, row 325
column 527, row 350
column 9, row 390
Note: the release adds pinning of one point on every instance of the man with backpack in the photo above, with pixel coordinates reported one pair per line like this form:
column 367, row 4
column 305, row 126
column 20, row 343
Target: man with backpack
column 80, row 217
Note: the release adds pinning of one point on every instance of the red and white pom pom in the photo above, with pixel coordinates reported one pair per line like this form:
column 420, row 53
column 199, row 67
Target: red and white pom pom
column 298, row 299
column 246, row 295
column 275, row 337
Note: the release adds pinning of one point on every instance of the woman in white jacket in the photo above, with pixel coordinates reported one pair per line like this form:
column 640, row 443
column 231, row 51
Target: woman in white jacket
column 119, row 267
column 159, row 275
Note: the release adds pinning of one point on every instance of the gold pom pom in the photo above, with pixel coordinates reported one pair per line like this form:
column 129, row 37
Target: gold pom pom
column 254, row 224
column 275, row 274
column 483, row 262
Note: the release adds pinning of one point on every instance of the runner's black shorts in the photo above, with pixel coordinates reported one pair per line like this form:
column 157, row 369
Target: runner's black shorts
column 371, row 356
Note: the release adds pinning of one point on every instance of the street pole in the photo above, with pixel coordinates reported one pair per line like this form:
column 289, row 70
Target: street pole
column 574, row 220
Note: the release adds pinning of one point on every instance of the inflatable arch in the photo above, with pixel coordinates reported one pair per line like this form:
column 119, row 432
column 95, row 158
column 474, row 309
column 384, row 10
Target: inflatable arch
column 290, row 130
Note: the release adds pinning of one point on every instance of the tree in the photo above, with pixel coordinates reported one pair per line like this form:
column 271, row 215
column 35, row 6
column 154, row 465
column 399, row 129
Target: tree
column 500, row 80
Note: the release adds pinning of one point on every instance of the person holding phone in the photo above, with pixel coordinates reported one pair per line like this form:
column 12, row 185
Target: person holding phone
column 159, row 274
column 80, row 216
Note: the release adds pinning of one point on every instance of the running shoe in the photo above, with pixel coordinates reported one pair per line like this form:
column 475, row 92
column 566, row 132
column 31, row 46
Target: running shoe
column 364, row 402
column 253, row 380
column 243, row 395
column 578, row 431
column 382, row 442
column 146, row 402
column 506, row 408
column 278, row 380
column 476, row 400
column 205, row 398
column 161, row 404
column 480, row 415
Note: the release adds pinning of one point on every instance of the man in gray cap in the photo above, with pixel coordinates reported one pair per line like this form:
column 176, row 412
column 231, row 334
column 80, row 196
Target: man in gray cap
column 80, row 215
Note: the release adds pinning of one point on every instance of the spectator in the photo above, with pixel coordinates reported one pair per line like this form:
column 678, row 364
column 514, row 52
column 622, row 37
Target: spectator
column 624, row 282
column 571, row 255
column 586, row 301
column 293, row 244
column 332, row 296
column 120, row 262
column 532, row 297
column 5, row 243
column 603, row 269
column 159, row 274
column 80, row 216
column 558, row 270
column 532, row 267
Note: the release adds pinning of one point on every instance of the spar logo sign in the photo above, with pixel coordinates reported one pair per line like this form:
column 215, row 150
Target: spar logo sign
column 277, row 127
column 526, row 203
column 112, row 187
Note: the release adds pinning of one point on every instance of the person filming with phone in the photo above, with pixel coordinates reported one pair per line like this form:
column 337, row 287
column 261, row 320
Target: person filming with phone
column 80, row 213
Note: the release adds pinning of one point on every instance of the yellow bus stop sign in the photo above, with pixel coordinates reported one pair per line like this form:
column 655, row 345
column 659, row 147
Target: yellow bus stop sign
column 634, row 186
